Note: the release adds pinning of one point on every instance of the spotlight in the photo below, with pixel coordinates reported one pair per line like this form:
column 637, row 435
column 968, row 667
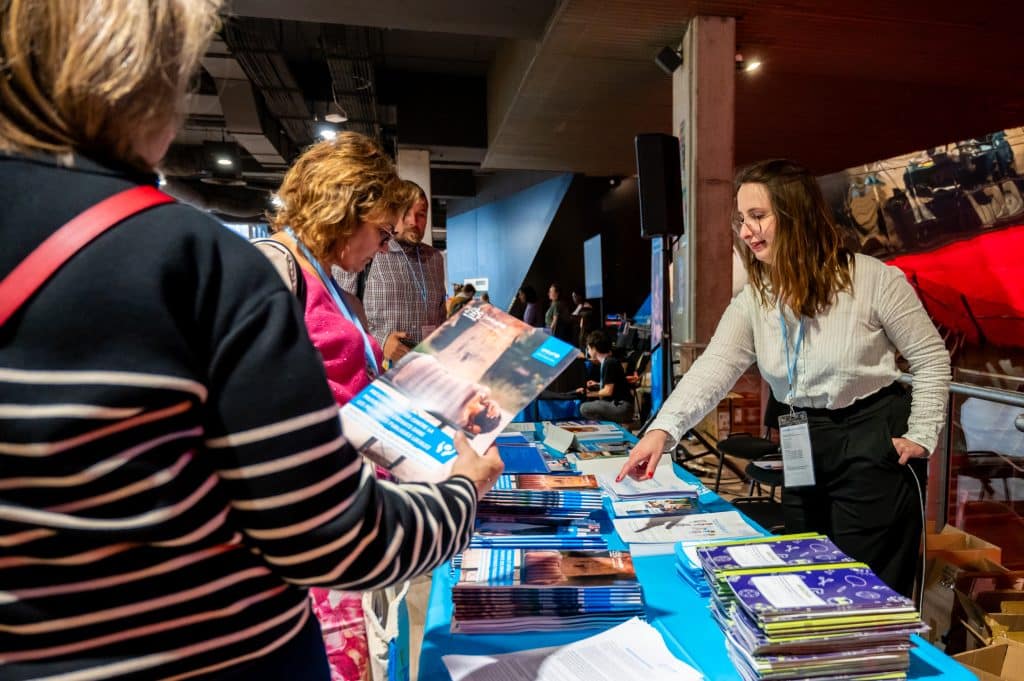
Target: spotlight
column 746, row 66
column 668, row 60
column 226, row 162
column 327, row 133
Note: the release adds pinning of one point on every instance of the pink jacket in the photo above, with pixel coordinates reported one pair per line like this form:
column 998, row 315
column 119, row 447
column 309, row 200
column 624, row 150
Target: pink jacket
column 339, row 342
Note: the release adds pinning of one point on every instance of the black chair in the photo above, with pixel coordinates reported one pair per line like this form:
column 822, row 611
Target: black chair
column 756, row 449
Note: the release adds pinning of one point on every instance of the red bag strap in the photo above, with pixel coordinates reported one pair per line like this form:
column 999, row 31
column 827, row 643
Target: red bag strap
column 32, row 272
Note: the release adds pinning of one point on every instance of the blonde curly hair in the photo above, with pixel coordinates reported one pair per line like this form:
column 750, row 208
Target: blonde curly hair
column 335, row 186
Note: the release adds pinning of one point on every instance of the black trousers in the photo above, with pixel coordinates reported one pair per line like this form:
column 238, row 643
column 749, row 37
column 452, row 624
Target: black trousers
column 863, row 499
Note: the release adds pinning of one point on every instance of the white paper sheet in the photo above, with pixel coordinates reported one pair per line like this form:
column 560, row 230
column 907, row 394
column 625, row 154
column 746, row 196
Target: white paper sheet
column 664, row 483
column 709, row 526
column 631, row 650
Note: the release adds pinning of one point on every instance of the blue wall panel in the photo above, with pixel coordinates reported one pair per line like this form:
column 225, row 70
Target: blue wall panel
column 499, row 240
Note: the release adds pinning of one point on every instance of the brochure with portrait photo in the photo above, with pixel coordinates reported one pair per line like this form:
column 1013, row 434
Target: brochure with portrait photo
column 473, row 374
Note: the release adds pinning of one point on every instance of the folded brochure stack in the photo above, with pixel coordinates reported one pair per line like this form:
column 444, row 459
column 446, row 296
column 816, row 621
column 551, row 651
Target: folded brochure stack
column 540, row 511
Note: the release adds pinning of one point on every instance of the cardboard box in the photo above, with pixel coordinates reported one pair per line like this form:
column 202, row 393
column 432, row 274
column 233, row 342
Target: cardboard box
column 984, row 620
column 1004, row 661
column 959, row 548
column 939, row 609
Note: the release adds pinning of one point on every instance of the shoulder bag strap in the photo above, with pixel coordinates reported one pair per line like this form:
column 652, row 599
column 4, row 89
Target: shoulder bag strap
column 32, row 272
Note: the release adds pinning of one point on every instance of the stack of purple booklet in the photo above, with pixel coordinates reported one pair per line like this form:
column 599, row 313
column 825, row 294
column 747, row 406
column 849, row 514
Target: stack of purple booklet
column 810, row 613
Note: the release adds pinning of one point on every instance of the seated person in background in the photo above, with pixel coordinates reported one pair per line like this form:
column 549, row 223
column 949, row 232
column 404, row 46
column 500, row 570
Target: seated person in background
column 611, row 399
column 460, row 299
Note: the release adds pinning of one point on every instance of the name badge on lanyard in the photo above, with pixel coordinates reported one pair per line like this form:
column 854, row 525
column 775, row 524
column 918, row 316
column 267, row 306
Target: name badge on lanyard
column 794, row 431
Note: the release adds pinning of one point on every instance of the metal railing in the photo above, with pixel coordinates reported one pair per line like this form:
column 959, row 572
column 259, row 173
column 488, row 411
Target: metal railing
column 1008, row 397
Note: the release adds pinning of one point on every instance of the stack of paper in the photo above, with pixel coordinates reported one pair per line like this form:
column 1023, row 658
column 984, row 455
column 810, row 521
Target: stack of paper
column 550, row 496
column 633, row 649
column 665, row 483
column 672, row 529
column 655, row 507
column 592, row 449
column 826, row 617
column 591, row 430
column 502, row 590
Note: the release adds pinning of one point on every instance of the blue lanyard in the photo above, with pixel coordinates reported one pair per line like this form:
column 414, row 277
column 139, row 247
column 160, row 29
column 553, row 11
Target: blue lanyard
column 791, row 366
column 421, row 283
column 332, row 288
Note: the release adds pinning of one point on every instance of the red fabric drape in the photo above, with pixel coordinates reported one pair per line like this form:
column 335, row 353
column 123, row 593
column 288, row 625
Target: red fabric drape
column 974, row 286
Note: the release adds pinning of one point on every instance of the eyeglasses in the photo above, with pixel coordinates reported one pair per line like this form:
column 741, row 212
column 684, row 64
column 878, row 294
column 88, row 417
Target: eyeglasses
column 738, row 220
column 387, row 233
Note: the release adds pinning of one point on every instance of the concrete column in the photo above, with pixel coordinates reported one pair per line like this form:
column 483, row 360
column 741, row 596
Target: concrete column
column 703, row 106
column 414, row 165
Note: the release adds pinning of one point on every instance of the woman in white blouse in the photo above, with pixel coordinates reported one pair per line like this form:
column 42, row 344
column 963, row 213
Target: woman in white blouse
column 839, row 319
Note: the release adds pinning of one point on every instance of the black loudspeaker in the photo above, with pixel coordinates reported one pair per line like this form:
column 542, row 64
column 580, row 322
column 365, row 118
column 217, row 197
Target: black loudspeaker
column 660, row 184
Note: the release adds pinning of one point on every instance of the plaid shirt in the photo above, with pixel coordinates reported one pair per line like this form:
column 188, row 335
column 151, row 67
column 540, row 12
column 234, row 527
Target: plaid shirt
column 404, row 290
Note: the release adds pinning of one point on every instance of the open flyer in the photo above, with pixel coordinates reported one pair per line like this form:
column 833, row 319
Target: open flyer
column 474, row 373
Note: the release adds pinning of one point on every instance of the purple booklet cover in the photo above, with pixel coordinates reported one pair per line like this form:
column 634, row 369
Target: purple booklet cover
column 784, row 552
column 833, row 590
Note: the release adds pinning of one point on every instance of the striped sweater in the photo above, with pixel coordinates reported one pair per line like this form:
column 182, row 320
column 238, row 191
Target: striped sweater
column 172, row 471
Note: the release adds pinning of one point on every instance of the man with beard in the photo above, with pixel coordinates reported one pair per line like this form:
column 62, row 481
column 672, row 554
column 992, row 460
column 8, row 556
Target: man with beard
column 404, row 293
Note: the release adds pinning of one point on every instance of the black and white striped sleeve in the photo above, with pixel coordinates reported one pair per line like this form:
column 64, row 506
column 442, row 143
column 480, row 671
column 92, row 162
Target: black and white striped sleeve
column 300, row 495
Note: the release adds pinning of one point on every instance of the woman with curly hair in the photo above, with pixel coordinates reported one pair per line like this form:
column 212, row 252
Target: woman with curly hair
column 339, row 202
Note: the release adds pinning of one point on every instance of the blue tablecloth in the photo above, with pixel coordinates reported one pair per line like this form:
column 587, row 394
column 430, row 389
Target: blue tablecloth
column 673, row 608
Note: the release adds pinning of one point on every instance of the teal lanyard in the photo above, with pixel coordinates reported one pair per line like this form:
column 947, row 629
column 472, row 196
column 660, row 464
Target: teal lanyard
column 372, row 367
column 791, row 365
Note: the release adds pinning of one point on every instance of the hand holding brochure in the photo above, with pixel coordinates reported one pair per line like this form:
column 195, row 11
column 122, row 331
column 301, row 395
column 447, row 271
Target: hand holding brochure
column 474, row 373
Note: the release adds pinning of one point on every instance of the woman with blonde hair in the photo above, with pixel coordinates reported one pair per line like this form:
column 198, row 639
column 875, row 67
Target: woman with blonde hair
column 824, row 326
column 168, row 492
column 339, row 202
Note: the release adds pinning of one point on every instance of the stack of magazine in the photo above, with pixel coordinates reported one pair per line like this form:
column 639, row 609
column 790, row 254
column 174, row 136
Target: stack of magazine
column 512, row 590
column 796, row 607
column 536, row 532
column 540, row 511
column 522, row 455
column 549, row 496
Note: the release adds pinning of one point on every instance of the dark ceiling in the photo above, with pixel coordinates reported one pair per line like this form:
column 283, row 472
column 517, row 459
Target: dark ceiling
column 564, row 85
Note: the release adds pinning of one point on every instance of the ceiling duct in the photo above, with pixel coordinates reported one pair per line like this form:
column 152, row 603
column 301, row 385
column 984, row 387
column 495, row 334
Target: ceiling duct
column 256, row 44
column 349, row 52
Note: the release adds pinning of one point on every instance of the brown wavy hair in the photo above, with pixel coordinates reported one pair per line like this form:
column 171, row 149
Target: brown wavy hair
column 332, row 188
column 810, row 265
column 93, row 76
